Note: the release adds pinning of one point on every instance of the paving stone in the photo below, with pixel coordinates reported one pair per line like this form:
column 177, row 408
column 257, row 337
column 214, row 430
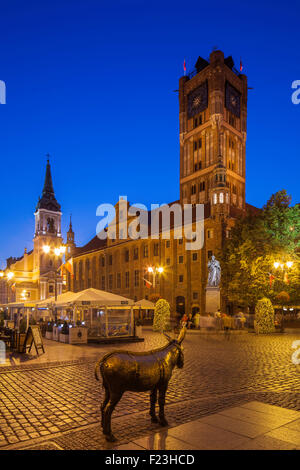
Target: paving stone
column 217, row 374
column 236, row 425
column 162, row 441
column 286, row 434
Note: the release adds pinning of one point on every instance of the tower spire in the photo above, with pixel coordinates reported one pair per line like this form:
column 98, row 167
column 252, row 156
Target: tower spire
column 48, row 184
column 48, row 200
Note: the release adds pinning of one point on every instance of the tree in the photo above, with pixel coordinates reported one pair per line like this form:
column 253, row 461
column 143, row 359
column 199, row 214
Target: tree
column 161, row 320
column 256, row 242
column 264, row 316
column 154, row 298
column 282, row 298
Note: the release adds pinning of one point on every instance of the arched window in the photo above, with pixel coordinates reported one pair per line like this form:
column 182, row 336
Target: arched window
column 221, row 198
column 215, row 198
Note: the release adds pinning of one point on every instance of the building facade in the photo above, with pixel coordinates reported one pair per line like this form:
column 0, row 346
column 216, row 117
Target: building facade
column 213, row 119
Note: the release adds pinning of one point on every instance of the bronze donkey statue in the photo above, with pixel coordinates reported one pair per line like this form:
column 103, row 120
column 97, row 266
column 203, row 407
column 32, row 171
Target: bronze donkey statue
column 123, row 371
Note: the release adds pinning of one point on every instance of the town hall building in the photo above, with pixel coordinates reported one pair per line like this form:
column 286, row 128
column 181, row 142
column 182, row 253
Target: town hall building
column 212, row 139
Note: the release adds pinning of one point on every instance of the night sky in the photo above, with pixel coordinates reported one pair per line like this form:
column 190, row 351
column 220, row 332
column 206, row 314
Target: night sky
column 92, row 83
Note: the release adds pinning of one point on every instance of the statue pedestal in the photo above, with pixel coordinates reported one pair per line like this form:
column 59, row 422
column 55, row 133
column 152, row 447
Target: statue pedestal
column 212, row 303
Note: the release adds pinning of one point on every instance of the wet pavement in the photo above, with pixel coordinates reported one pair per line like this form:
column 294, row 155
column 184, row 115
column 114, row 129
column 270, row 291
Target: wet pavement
column 54, row 400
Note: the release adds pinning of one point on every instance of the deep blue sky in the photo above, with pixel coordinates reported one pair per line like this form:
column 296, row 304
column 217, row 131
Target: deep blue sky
column 91, row 82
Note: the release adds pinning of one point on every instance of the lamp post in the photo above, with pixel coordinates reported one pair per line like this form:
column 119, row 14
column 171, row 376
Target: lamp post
column 284, row 266
column 8, row 276
column 155, row 270
column 58, row 251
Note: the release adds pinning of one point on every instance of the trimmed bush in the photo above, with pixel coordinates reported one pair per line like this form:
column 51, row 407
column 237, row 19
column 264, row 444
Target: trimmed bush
column 161, row 321
column 264, row 316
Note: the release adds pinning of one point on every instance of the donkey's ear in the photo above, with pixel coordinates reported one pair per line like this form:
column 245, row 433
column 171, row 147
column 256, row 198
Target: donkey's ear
column 181, row 335
column 167, row 336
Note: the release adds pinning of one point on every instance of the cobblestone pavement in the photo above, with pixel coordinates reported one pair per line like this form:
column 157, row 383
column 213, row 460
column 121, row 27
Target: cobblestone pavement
column 60, row 403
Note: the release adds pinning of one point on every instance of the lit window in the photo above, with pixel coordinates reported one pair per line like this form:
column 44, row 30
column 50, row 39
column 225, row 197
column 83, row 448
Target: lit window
column 221, row 198
column 215, row 199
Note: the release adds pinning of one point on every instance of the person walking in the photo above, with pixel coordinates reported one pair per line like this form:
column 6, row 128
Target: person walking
column 227, row 323
column 184, row 320
column 197, row 320
column 190, row 321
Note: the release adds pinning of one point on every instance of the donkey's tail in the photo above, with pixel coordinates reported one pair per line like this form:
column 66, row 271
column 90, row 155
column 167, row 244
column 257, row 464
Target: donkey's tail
column 98, row 365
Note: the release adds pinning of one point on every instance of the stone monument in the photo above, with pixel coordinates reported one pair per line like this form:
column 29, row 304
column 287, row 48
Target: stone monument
column 212, row 303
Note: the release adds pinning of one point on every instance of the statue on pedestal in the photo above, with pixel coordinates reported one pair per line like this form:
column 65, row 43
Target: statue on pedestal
column 214, row 272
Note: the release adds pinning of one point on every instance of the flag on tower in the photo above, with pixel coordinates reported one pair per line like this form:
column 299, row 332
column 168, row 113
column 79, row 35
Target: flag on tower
column 184, row 67
column 241, row 65
column 147, row 283
column 68, row 266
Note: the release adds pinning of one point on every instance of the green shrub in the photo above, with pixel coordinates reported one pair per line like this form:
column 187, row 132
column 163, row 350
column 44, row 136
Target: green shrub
column 264, row 316
column 161, row 321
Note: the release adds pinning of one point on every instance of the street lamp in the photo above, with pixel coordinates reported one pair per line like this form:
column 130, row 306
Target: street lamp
column 278, row 264
column 9, row 276
column 154, row 271
column 58, row 251
column 283, row 265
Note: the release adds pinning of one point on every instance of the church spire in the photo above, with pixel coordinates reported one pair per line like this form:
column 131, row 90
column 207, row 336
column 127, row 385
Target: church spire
column 70, row 231
column 48, row 200
column 48, row 184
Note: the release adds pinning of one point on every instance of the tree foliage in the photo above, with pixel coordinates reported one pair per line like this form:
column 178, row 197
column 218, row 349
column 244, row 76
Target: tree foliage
column 161, row 321
column 256, row 242
column 264, row 316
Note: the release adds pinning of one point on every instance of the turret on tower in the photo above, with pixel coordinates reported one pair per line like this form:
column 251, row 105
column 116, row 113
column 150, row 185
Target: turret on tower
column 70, row 241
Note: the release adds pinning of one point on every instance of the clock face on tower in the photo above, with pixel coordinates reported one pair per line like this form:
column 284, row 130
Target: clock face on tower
column 233, row 100
column 197, row 100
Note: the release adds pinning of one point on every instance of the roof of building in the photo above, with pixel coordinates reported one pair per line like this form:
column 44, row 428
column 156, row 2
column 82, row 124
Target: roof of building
column 93, row 245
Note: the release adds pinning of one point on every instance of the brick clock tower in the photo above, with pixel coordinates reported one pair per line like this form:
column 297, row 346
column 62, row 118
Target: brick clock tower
column 213, row 118
column 213, row 126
